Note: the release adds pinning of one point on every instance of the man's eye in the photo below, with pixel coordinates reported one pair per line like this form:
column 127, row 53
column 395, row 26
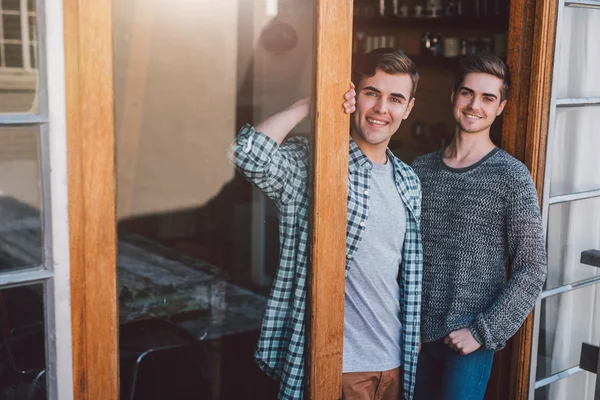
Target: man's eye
column 465, row 93
column 371, row 94
column 396, row 100
column 489, row 99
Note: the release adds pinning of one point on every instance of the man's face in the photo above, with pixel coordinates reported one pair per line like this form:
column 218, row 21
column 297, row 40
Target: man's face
column 477, row 102
column 382, row 102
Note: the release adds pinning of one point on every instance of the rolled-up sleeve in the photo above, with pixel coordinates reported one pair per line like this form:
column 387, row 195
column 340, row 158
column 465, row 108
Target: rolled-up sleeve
column 280, row 171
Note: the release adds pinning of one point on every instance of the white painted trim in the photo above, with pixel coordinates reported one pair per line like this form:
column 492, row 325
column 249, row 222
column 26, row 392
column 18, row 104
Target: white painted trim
column 55, row 200
column 546, row 193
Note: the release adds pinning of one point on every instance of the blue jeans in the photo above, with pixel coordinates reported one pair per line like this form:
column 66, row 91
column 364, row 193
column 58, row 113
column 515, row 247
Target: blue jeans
column 445, row 374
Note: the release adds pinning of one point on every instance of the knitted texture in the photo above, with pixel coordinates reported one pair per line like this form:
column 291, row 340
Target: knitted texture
column 473, row 221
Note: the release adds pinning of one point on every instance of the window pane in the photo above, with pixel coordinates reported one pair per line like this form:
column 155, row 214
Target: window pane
column 575, row 159
column 198, row 246
column 572, row 228
column 18, row 60
column 11, row 5
column 579, row 386
column 20, row 199
column 567, row 321
column 22, row 343
column 14, row 55
column 579, row 53
column 12, row 27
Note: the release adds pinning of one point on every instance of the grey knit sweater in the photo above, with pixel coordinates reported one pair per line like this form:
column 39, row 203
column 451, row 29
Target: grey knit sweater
column 473, row 220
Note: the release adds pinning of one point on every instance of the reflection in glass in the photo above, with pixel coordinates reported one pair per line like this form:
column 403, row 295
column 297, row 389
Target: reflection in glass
column 567, row 321
column 22, row 343
column 575, row 160
column 18, row 56
column 579, row 386
column 197, row 245
column 572, row 228
column 20, row 199
column 579, row 53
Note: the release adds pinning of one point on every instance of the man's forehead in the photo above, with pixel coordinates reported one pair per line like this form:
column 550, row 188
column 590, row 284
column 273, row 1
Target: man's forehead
column 482, row 83
column 384, row 82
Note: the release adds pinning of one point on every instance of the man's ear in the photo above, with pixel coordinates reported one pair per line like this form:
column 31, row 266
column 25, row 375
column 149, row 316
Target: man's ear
column 452, row 97
column 409, row 108
column 501, row 108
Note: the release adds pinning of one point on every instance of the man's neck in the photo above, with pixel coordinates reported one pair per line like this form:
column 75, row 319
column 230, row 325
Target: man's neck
column 467, row 149
column 376, row 153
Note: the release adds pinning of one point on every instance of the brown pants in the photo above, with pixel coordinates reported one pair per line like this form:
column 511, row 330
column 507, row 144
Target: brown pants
column 386, row 385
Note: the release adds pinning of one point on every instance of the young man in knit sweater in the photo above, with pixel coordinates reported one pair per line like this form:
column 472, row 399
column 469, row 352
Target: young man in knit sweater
column 480, row 210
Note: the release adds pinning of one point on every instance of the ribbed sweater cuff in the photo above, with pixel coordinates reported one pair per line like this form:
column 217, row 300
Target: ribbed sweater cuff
column 478, row 330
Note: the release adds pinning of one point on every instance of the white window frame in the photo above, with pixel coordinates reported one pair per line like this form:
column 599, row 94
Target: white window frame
column 547, row 200
column 54, row 273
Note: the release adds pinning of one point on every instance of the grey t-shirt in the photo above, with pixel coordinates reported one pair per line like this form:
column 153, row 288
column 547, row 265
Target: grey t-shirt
column 372, row 327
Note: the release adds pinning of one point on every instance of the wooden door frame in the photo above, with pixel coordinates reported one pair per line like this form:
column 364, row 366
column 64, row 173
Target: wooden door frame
column 92, row 200
column 333, row 42
column 531, row 41
column 91, row 180
column 91, row 155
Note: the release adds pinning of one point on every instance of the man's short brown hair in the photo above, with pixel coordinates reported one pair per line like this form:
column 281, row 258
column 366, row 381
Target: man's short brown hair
column 391, row 61
column 484, row 63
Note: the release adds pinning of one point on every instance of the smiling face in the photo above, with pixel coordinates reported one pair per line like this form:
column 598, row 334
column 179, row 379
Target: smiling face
column 477, row 102
column 382, row 102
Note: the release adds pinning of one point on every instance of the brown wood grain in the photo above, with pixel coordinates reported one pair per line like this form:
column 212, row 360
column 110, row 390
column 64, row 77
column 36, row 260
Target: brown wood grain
column 91, row 179
column 530, row 57
column 538, row 106
column 330, row 189
column 520, row 40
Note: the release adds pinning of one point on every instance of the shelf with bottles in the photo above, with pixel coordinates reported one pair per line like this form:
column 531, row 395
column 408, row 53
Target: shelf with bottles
column 430, row 14
column 392, row 22
column 433, row 49
column 431, row 8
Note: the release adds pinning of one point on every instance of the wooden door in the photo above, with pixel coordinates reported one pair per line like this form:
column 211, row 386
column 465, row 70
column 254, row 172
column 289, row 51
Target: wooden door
column 94, row 37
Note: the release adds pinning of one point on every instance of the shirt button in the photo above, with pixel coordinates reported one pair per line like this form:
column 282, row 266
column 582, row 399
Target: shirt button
column 362, row 223
column 367, row 192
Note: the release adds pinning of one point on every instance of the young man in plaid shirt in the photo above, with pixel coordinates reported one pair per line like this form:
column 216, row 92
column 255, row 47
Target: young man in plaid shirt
column 383, row 244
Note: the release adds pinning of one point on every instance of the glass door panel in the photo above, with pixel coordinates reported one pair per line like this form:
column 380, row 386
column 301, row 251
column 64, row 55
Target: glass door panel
column 576, row 138
column 571, row 231
column 198, row 246
column 22, row 343
column 20, row 199
column 18, row 57
column 565, row 323
column 580, row 54
column 576, row 386
column 568, row 314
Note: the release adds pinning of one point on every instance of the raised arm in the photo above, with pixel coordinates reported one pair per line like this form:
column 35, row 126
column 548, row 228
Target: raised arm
column 279, row 125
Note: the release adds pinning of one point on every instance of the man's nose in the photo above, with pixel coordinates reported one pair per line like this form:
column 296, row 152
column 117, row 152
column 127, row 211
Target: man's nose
column 380, row 106
column 475, row 103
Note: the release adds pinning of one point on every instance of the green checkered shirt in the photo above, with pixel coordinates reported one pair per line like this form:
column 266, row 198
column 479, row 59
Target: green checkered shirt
column 282, row 173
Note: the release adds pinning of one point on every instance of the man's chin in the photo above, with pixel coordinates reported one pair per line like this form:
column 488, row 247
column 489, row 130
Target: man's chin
column 472, row 129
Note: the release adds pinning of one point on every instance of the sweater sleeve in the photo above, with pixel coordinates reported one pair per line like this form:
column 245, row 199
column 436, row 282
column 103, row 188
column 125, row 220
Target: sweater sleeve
column 280, row 171
column 528, row 267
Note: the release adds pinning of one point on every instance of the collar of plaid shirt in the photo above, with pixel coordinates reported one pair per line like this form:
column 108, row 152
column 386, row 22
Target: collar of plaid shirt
column 280, row 350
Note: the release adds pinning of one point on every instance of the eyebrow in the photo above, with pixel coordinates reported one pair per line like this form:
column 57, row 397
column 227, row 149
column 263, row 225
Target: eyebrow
column 374, row 89
column 472, row 91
